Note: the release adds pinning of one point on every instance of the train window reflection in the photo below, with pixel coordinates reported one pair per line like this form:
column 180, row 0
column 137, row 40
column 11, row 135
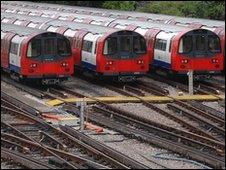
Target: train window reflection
column 49, row 46
column 200, row 42
column 213, row 43
column 34, row 48
column 63, row 47
column 125, row 42
column 139, row 45
column 185, row 44
column 110, row 46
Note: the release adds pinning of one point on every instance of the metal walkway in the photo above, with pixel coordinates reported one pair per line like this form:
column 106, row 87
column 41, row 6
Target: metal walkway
column 125, row 99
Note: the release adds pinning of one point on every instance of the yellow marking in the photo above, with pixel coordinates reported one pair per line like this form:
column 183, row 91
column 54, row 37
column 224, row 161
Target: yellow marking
column 124, row 99
column 55, row 102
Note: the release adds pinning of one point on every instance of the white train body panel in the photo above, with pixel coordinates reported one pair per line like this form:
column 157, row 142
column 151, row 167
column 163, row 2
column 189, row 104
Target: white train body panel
column 162, row 51
column 14, row 55
column 89, row 57
column 141, row 31
column 69, row 33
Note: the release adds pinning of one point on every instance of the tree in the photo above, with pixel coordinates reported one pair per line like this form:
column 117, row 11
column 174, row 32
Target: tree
column 120, row 5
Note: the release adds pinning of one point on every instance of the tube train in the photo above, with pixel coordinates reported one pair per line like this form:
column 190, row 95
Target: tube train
column 174, row 48
column 31, row 54
column 109, row 52
column 216, row 26
column 213, row 25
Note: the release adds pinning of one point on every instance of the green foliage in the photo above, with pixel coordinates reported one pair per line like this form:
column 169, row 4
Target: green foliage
column 197, row 9
column 120, row 5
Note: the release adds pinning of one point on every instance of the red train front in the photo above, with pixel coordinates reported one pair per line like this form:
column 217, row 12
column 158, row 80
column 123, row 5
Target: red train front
column 199, row 50
column 122, row 54
column 35, row 54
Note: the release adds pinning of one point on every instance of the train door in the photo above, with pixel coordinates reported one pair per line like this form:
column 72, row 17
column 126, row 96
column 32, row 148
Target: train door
column 5, row 48
column 88, row 55
column 14, row 54
column 161, row 56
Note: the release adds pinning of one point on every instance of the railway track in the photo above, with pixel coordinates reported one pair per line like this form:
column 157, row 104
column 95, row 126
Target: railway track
column 63, row 144
column 200, row 88
column 216, row 124
column 205, row 136
column 154, row 128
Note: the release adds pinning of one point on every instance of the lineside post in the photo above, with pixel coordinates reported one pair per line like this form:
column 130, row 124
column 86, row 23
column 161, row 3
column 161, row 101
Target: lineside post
column 190, row 82
column 82, row 106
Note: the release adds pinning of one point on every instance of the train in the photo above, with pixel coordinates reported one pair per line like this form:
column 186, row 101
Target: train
column 166, row 43
column 216, row 26
column 30, row 54
column 213, row 25
column 103, row 52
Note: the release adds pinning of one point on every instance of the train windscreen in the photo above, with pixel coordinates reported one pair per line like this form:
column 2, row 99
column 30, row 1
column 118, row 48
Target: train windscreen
column 48, row 47
column 199, row 43
column 124, row 45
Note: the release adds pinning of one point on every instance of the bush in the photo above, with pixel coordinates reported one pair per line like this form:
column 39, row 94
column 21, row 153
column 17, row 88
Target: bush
column 120, row 5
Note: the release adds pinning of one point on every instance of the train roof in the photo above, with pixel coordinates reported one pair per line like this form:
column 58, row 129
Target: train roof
column 142, row 24
column 20, row 30
column 63, row 13
column 207, row 22
column 96, row 29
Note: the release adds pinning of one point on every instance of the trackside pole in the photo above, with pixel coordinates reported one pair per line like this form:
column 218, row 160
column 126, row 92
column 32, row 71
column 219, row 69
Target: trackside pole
column 82, row 106
column 190, row 82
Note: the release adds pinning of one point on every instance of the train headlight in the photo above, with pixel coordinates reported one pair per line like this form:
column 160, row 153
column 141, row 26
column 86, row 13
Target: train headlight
column 33, row 65
column 184, row 61
column 215, row 60
column 109, row 63
column 64, row 64
column 140, row 62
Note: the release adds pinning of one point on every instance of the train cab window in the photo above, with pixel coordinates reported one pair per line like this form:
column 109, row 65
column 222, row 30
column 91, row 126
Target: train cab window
column 200, row 42
column 63, row 47
column 125, row 43
column 87, row 46
column 34, row 48
column 160, row 44
column 110, row 46
column 14, row 48
column 139, row 45
column 185, row 44
column 49, row 46
column 213, row 44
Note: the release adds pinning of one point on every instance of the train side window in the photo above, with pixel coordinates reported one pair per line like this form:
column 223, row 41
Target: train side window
column 160, row 44
column 87, row 46
column 95, row 48
column 14, row 48
column 170, row 45
column 213, row 44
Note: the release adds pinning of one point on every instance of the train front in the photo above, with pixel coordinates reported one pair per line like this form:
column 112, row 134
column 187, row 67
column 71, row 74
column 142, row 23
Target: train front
column 123, row 55
column 47, row 57
column 198, row 50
